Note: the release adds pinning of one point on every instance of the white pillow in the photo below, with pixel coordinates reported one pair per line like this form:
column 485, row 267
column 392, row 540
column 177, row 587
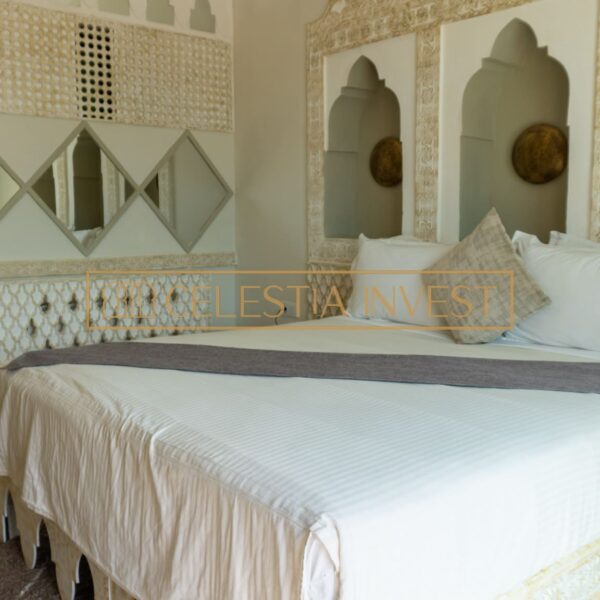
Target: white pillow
column 521, row 239
column 570, row 241
column 401, row 298
column 397, row 239
column 571, row 278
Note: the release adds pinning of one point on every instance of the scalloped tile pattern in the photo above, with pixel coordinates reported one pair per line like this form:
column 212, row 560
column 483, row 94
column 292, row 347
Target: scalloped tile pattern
column 36, row 314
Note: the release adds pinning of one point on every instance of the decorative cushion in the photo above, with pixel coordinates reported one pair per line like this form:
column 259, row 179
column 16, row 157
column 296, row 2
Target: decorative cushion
column 496, row 293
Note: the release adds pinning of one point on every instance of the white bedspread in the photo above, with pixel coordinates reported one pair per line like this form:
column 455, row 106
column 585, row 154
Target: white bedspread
column 190, row 486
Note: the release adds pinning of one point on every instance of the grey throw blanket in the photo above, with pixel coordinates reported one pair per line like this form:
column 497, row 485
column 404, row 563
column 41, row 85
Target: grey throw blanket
column 434, row 370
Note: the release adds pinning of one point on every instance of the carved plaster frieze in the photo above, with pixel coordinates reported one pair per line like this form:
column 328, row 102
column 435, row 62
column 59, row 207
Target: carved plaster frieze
column 71, row 65
column 43, row 268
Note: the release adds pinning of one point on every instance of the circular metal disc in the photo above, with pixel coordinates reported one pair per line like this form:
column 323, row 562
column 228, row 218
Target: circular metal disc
column 540, row 154
column 386, row 162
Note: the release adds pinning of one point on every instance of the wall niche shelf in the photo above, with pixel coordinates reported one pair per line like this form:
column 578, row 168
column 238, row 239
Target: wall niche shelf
column 365, row 112
column 518, row 85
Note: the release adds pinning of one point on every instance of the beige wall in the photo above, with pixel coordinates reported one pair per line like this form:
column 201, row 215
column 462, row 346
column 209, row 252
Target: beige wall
column 270, row 131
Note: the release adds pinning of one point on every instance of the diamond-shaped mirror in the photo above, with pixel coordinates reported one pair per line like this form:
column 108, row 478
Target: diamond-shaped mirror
column 84, row 188
column 8, row 187
column 187, row 191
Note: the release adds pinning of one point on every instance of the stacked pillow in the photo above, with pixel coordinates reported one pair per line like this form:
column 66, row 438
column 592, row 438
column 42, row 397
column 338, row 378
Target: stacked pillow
column 562, row 239
column 568, row 269
column 398, row 294
column 555, row 300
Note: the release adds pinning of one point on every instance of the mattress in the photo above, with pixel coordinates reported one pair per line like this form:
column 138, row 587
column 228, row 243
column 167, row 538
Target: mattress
column 197, row 486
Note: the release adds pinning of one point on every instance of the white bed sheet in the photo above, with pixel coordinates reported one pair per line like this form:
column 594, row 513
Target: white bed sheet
column 191, row 486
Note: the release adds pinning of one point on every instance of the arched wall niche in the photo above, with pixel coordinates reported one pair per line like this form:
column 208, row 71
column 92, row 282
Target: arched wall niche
column 569, row 32
column 365, row 111
column 202, row 17
column 518, row 85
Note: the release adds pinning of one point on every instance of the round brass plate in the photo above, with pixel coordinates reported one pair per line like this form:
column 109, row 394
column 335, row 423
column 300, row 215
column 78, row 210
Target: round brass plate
column 386, row 162
column 540, row 154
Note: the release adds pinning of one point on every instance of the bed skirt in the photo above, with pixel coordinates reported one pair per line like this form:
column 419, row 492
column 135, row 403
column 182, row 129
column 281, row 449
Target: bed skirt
column 19, row 520
column 576, row 577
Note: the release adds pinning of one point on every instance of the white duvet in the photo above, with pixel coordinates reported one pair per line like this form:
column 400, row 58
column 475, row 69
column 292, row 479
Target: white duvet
column 190, row 486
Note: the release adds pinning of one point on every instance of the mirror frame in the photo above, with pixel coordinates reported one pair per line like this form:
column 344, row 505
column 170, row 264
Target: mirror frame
column 17, row 195
column 187, row 135
column 29, row 188
column 26, row 188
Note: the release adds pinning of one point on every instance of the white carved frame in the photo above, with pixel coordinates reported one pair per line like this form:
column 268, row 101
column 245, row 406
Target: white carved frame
column 19, row 520
column 349, row 24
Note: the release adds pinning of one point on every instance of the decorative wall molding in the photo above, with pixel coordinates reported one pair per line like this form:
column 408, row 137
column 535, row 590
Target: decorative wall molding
column 13, row 270
column 428, row 82
column 192, row 17
column 149, row 76
column 348, row 24
column 595, row 220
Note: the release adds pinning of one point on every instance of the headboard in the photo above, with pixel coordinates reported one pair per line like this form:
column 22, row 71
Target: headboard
column 433, row 194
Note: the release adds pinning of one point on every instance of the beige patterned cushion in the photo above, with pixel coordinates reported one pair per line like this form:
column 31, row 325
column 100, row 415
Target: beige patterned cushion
column 495, row 309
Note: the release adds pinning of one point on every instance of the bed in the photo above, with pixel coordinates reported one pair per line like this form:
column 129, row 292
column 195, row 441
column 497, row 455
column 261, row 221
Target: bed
column 202, row 486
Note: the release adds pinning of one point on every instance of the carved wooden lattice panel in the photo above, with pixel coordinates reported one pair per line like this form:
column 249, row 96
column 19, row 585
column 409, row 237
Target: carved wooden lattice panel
column 95, row 81
column 59, row 64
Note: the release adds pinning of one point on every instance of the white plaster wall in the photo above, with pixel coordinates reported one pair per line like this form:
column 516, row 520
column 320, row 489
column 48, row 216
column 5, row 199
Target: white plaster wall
column 138, row 149
column 26, row 142
column 396, row 62
column 569, row 30
column 26, row 231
